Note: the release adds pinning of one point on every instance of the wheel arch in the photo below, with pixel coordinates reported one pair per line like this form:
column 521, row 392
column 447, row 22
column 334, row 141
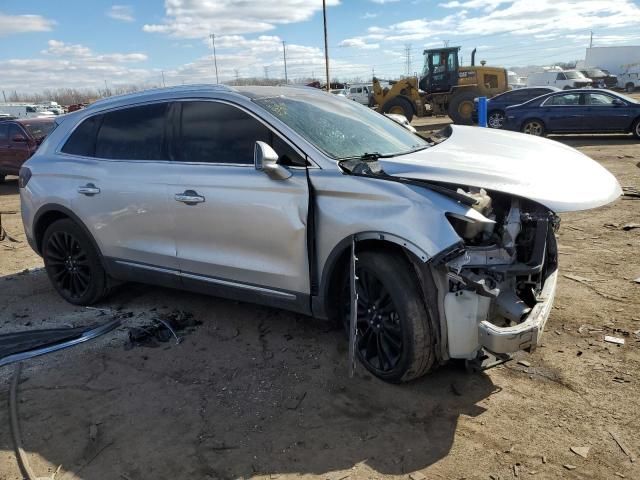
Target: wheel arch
column 50, row 213
column 338, row 260
column 531, row 119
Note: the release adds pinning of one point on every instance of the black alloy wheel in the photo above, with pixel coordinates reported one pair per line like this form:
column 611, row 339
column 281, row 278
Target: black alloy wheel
column 73, row 264
column 380, row 342
column 68, row 264
column 395, row 340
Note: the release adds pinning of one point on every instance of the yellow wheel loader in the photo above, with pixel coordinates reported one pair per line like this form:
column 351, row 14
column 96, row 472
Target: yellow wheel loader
column 445, row 86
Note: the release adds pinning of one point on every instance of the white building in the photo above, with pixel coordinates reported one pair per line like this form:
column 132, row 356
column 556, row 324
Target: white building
column 614, row 59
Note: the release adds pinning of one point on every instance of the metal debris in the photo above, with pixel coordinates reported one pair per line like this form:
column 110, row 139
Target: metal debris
column 616, row 340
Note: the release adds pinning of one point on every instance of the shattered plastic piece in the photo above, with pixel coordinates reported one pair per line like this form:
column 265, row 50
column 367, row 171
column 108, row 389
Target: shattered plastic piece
column 581, row 451
column 630, row 226
column 524, row 363
column 570, row 467
column 417, row 476
column 616, row 340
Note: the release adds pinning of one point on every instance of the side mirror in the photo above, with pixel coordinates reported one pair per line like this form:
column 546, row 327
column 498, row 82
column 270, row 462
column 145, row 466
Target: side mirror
column 266, row 159
column 618, row 103
column 19, row 139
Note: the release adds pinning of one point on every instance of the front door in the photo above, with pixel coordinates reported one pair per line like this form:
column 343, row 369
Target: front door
column 236, row 227
column 443, row 71
column 604, row 114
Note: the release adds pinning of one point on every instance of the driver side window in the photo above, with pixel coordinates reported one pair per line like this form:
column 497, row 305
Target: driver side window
column 215, row 132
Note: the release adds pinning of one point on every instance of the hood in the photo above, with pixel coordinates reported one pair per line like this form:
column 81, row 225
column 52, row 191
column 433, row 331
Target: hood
column 548, row 172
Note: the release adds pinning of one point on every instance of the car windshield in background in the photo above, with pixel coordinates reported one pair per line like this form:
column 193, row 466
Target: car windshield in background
column 574, row 75
column 39, row 130
column 596, row 73
column 342, row 129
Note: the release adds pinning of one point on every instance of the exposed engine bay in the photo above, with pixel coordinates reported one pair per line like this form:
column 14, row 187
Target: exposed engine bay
column 499, row 274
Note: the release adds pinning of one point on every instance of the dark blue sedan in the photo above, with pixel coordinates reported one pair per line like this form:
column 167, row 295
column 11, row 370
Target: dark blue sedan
column 576, row 111
column 497, row 106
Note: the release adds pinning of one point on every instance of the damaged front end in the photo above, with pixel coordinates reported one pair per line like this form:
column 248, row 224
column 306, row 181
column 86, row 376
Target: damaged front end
column 500, row 286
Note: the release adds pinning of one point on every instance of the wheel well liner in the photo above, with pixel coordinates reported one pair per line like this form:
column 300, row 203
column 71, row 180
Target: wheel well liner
column 338, row 260
column 48, row 214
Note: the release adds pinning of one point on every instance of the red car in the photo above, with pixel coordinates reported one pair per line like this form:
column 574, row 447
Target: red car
column 19, row 139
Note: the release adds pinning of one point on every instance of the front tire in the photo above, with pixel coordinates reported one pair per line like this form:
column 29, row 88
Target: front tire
column 495, row 119
column 395, row 339
column 461, row 107
column 73, row 264
column 534, row 127
column 400, row 106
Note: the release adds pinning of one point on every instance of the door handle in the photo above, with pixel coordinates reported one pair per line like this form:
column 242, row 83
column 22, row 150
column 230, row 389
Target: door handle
column 190, row 197
column 89, row 190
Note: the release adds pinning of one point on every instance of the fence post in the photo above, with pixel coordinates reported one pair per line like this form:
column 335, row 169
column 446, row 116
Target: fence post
column 482, row 112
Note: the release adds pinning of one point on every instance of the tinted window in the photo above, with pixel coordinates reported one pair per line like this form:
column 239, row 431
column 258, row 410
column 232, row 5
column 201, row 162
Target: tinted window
column 4, row 132
column 15, row 131
column 561, row 76
column 83, row 139
column 135, row 133
column 218, row 133
column 39, row 130
column 600, row 99
column 565, row 99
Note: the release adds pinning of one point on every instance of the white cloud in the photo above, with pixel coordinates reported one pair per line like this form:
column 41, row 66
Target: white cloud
column 123, row 13
column 65, row 65
column 369, row 15
column 197, row 18
column 358, row 43
column 11, row 24
column 382, row 2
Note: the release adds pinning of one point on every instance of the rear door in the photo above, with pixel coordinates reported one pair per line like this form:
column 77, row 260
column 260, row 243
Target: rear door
column 564, row 112
column 603, row 115
column 244, row 231
column 121, row 179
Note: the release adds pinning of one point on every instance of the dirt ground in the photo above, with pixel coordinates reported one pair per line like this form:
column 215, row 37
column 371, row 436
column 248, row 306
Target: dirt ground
column 254, row 392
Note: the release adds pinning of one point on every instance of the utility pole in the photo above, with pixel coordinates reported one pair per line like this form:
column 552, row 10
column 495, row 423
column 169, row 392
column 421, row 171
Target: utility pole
column 407, row 54
column 163, row 84
column 266, row 72
column 326, row 43
column 446, row 43
column 5, row 97
column 235, row 71
column 215, row 59
column 284, row 56
column 591, row 40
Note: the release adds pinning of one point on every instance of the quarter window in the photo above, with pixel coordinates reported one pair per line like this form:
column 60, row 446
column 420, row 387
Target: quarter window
column 83, row 139
column 4, row 132
column 135, row 133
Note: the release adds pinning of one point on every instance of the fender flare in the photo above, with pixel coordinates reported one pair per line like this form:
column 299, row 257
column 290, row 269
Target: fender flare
column 318, row 302
column 54, row 207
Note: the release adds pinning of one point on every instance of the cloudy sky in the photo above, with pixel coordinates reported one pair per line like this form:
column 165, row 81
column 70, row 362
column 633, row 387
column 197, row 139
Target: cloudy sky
column 76, row 43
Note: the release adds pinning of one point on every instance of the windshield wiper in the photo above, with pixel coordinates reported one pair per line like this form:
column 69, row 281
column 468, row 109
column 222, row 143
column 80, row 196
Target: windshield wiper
column 368, row 157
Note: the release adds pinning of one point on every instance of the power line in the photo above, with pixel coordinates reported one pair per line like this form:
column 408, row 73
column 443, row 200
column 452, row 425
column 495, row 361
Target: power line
column 407, row 53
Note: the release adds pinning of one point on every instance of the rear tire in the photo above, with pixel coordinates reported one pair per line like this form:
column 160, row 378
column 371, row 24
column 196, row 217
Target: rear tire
column 534, row 127
column 630, row 88
column 73, row 264
column 2, row 178
column 461, row 107
column 636, row 129
column 395, row 340
column 399, row 105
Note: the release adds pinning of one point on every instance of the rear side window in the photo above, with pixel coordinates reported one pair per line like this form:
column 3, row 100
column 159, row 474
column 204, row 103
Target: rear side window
column 135, row 133
column 4, row 132
column 218, row 133
column 83, row 139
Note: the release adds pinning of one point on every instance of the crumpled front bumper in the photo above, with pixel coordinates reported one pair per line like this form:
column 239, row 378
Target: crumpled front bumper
column 526, row 335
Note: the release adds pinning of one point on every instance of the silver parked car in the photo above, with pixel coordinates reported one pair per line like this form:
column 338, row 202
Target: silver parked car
column 260, row 194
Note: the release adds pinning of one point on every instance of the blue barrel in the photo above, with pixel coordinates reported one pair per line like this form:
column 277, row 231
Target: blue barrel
column 482, row 111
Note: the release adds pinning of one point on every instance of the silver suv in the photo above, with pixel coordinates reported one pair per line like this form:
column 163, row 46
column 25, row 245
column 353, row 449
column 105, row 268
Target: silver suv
column 268, row 195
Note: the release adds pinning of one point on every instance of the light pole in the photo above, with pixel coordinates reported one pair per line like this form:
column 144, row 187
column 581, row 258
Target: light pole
column 326, row 44
column 284, row 56
column 215, row 60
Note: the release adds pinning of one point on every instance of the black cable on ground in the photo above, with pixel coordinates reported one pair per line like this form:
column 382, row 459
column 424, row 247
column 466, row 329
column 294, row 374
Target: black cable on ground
column 21, row 455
